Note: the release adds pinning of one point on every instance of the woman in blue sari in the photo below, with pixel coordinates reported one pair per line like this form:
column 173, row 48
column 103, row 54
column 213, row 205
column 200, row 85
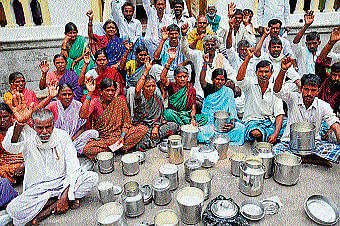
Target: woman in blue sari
column 74, row 47
column 220, row 98
column 111, row 41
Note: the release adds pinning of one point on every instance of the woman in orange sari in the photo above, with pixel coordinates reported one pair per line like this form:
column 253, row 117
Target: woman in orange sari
column 11, row 165
column 110, row 116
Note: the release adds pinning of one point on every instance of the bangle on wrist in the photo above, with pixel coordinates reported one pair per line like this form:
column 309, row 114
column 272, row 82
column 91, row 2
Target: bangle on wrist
column 123, row 134
column 284, row 69
column 204, row 69
column 63, row 49
column 88, row 98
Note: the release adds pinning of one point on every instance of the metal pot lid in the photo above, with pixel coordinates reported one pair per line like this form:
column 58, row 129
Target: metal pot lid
column 270, row 207
column 224, row 209
column 130, row 158
column 147, row 193
column 117, row 190
column 252, row 210
column 321, row 210
column 253, row 162
column 206, row 149
column 161, row 183
column 189, row 128
column 141, row 156
column 168, row 168
column 192, row 163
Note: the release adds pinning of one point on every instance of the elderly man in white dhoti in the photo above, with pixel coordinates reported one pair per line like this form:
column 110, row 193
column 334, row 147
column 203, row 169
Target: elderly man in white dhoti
column 53, row 178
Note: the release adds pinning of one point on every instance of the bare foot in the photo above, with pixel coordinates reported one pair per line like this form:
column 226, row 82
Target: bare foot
column 44, row 214
column 74, row 204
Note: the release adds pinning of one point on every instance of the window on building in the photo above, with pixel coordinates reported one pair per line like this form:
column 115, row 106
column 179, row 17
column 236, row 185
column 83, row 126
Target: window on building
column 19, row 13
column 36, row 12
column 3, row 21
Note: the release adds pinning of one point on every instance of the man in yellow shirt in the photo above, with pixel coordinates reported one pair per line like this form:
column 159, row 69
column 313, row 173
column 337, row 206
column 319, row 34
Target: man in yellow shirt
column 195, row 37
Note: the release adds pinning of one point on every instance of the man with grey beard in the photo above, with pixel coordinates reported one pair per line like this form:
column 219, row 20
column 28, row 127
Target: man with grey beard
column 53, row 178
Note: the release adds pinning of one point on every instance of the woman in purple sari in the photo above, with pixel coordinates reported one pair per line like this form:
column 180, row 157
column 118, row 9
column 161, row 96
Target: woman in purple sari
column 112, row 42
column 60, row 76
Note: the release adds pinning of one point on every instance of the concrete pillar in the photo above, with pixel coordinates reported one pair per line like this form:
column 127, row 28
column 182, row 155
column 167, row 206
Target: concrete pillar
column 96, row 6
column 45, row 12
column 329, row 6
column 27, row 12
column 299, row 7
column 8, row 13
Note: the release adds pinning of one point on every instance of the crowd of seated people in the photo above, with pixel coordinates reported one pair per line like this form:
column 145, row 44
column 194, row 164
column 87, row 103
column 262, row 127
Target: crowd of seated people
column 132, row 91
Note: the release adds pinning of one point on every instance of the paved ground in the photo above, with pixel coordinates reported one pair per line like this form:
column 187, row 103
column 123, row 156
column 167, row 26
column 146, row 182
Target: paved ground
column 313, row 180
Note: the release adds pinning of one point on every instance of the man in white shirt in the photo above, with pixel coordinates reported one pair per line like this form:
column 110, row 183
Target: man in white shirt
column 53, row 177
column 263, row 113
column 157, row 19
column 178, row 18
column 216, row 60
column 275, row 56
column 307, row 53
column 240, row 28
column 307, row 107
column 274, row 31
column 129, row 27
column 270, row 9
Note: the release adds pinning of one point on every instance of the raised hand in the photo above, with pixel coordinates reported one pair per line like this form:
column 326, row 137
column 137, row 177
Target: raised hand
column 309, row 17
column 246, row 18
column 147, row 63
column 128, row 45
column 21, row 112
column 231, row 9
column 53, row 90
column 90, row 84
column 266, row 31
column 184, row 29
column 165, row 33
column 172, row 53
column 206, row 58
column 335, row 36
column 250, row 52
column 90, row 14
column 286, row 63
column 44, row 67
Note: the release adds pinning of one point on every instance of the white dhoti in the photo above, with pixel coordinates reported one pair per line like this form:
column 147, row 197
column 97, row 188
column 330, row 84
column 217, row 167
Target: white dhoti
column 30, row 203
column 80, row 142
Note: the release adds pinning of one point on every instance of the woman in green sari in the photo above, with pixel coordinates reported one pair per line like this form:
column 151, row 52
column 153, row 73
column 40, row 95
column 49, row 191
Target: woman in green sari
column 182, row 96
column 74, row 47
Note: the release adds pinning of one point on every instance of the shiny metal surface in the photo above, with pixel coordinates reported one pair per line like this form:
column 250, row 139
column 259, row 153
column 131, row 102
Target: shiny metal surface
column 206, row 151
column 235, row 162
column 176, row 152
column 220, row 119
column 130, row 164
column 141, row 156
column 220, row 141
column 321, row 210
column 287, row 168
column 105, row 162
column 224, row 209
column 161, row 191
column 164, row 146
column 111, row 214
column 201, row 179
column 264, row 151
column 170, row 171
column 132, row 199
column 252, row 210
column 302, row 137
column 189, row 136
column 190, row 202
column 251, row 177
column 189, row 166
column 147, row 194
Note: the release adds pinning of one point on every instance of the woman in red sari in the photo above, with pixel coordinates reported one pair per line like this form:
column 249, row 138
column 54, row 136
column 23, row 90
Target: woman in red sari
column 110, row 116
column 17, row 83
column 100, row 72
